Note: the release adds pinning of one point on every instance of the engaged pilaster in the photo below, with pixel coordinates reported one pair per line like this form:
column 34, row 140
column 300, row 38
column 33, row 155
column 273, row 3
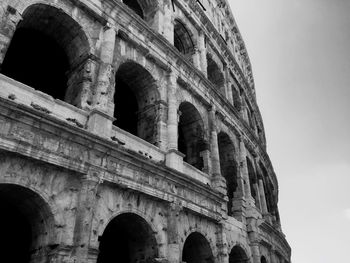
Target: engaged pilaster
column 9, row 20
column 218, row 181
column 174, row 159
column 100, row 119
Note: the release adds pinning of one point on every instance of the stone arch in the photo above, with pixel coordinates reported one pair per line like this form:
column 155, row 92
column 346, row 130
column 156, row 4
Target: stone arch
column 197, row 249
column 135, row 6
column 183, row 38
column 229, row 167
column 263, row 259
column 215, row 75
column 238, row 255
column 191, row 135
column 26, row 214
column 136, row 100
column 46, row 52
column 145, row 9
column 128, row 237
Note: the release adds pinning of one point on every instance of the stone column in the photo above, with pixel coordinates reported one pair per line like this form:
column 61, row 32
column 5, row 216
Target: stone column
column 254, row 238
column 162, row 21
column 174, row 158
column 228, row 88
column 101, row 116
column 9, row 18
column 221, row 244
column 202, row 52
column 262, row 197
column 174, row 251
column 161, row 120
column 218, row 181
column 244, row 171
column 84, row 216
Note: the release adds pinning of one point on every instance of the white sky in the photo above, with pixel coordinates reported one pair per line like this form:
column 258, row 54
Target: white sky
column 300, row 54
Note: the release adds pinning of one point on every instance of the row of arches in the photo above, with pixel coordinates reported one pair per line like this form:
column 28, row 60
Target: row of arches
column 128, row 237
column 45, row 51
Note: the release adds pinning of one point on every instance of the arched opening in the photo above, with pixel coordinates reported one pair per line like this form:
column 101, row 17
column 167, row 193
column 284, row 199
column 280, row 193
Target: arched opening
column 228, row 167
column 136, row 98
column 46, row 46
column 215, row 75
column 135, row 6
column 263, row 259
column 182, row 39
column 191, row 140
column 197, row 249
column 127, row 238
column 237, row 255
column 25, row 221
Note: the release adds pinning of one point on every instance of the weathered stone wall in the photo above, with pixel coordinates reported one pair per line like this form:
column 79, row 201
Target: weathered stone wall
column 192, row 183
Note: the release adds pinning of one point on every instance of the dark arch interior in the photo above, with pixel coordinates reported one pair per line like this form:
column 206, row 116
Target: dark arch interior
column 228, row 167
column 182, row 38
column 128, row 239
column 45, row 50
column 36, row 59
column 215, row 75
column 191, row 135
column 263, row 259
column 135, row 102
column 23, row 218
column 237, row 255
column 126, row 107
column 197, row 249
column 134, row 5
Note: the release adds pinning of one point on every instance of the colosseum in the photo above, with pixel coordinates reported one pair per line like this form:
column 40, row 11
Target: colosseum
column 130, row 132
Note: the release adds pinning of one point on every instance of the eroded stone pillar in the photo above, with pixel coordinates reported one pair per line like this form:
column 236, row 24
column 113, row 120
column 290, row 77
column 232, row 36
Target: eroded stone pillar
column 84, row 215
column 161, row 21
column 100, row 119
column 161, row 121
column 174, row 158
column 218, row 181
column 9, row 18
column 80, row 82
column 174, row 251
column 244, row 170
column 105, row 78
column 202, row 52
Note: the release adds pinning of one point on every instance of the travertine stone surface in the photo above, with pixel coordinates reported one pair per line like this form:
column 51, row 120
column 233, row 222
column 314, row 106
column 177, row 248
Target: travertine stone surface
column 155, row 153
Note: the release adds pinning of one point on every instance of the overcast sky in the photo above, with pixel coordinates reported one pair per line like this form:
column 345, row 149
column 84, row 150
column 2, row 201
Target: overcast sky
column 300, row 55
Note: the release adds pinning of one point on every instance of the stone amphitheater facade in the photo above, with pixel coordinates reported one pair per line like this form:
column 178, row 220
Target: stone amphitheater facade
column 130, row 132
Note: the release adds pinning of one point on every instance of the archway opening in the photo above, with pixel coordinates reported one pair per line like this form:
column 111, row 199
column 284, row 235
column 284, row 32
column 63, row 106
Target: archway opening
column 182, row 39
column 127, row 238
column 237, row 255
column 46, row 46
column 135, row 6
column 263, row 259
column 197, row 249
column 191, row 140
column 215, row 75
column 228, row 167
column 136, row 98
column 25, row 224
